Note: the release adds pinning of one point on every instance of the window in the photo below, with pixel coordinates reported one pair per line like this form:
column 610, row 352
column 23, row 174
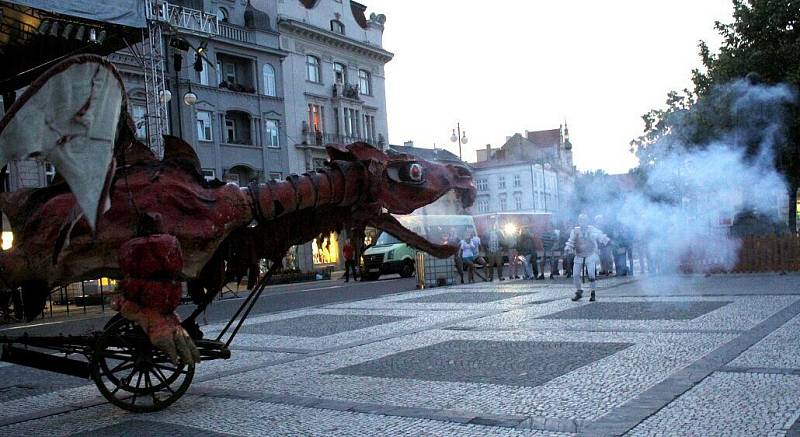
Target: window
column 501, row 182
column 233, row 178
column 275, row 175
column 209, row 174
column 319, row 163
column 140, row 120
column 369, row 127
column 273, row 133
column 229, row 72
column 316, row 117
column 340, row 72
column 337, row 26
column 503, row 202
column 483, row 205
column 312, row 68
column 203, row 75
column 49, row 173
column 517, row 180
column 351, row 119
column 483, row 184
column 222, row 15
column 230, row 130
column 204, row 132
column 518, row 201
column 269, row 80
column 365, row 82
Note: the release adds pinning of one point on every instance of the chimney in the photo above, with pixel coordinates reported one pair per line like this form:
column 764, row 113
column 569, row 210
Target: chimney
column 408, row 144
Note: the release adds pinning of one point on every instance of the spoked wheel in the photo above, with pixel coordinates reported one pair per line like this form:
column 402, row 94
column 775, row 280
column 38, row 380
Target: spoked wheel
column 133, row 374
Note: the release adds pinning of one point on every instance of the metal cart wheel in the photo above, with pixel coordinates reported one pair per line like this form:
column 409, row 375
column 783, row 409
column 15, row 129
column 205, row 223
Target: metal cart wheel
column 133, row 374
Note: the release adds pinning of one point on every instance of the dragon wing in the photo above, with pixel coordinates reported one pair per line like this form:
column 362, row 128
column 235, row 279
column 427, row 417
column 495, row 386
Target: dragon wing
column 70, row 116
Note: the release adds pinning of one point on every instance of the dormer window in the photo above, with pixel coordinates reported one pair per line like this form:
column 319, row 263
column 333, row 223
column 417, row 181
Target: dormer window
column 337, row 27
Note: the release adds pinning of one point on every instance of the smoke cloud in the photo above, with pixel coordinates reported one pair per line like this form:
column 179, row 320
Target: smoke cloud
column 691, row 188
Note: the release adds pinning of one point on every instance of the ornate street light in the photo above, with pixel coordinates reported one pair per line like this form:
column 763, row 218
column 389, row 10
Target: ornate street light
column 460, row 137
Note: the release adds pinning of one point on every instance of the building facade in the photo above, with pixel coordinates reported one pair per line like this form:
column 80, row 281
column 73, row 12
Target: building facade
column 335, row 82
column 236, row 123
column 531, row 173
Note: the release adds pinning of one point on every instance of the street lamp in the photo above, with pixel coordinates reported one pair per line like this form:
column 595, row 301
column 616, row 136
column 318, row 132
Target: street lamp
column 461, row 137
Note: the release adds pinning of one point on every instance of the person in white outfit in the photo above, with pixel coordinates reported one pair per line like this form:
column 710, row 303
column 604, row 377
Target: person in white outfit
column 583, row 242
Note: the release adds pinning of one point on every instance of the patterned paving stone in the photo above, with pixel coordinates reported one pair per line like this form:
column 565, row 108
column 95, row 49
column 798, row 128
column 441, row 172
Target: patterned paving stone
column 468, row 297
column 20, row 382
column 319, row 325
column 781, row 349
column 516, row 363
column 144, row 427
column 686, row 310
column 745, row 404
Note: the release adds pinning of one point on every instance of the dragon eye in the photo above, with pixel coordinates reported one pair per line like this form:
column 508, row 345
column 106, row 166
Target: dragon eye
column 415, row 172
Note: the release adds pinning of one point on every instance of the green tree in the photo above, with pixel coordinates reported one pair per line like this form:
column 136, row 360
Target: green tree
column 764, row 39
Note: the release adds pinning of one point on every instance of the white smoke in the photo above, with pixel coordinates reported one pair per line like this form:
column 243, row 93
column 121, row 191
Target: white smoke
column 689, row 190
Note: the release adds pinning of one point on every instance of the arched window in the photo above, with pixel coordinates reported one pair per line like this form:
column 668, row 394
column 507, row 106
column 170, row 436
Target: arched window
column 269, row 80
column 312, row 67
column 222, row 15
column 337, row 27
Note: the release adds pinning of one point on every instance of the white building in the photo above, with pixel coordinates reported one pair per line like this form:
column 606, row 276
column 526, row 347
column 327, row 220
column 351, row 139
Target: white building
column 334, row 77
column 531, row 173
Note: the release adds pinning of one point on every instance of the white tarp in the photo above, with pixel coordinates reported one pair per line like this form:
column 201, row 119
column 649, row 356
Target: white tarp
column 123, row 12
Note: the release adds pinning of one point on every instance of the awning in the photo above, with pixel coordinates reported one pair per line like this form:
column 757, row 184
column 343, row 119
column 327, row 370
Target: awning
column 122, row 12
column 33, row 39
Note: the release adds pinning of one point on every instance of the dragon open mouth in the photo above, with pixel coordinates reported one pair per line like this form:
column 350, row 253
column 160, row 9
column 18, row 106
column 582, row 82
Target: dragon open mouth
column 388, row 223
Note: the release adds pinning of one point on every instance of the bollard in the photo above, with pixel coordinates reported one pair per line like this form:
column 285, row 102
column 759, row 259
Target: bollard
column 419, row 266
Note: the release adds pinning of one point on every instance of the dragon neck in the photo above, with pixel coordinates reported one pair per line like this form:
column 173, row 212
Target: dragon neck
column 342, row 183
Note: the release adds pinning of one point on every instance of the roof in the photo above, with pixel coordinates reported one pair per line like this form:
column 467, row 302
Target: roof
column 356, row 8
column 545, row 137
column 498, row 163
column 427, row 154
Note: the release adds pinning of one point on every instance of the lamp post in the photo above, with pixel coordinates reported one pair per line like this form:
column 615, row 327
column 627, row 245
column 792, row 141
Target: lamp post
column 460, row 137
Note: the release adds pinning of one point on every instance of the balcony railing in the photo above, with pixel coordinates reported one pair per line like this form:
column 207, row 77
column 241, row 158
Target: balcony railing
column 235, row 33
column 322, row 139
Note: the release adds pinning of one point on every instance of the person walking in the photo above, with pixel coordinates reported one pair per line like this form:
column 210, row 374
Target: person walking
column 494, row 251
column 583, row 242
column 349, row 262
column 526, row 249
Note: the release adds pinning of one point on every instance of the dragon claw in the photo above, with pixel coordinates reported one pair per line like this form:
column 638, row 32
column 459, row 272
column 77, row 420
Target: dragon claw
column 164, row 331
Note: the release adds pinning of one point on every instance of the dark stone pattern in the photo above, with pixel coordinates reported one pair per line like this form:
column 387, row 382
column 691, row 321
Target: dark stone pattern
column 465, row 297
column 20, row 382
column 319, row 325
column 144, row 427
column 515, row 363
column 639, row 310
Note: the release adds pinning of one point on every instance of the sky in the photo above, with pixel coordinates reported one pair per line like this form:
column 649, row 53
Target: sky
column 505, row 66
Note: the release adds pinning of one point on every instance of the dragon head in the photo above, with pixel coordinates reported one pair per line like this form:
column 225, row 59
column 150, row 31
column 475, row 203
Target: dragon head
column 401, row 184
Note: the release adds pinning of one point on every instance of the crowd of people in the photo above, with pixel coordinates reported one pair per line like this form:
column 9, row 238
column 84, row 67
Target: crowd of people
column 572, row 252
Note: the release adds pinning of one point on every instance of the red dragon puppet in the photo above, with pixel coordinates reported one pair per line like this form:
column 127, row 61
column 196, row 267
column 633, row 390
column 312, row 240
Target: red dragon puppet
column 116, row 211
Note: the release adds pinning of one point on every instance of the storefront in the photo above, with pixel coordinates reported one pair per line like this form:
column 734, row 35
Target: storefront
column 325, row 252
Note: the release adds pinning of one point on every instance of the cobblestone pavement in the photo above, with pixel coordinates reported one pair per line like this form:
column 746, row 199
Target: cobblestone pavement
column 655, row 356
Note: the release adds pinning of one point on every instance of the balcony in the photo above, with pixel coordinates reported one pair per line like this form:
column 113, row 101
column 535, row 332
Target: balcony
column 346, row 90
column 236, row 33
column 235, row 74
column 237, row 128
column 322, row 139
